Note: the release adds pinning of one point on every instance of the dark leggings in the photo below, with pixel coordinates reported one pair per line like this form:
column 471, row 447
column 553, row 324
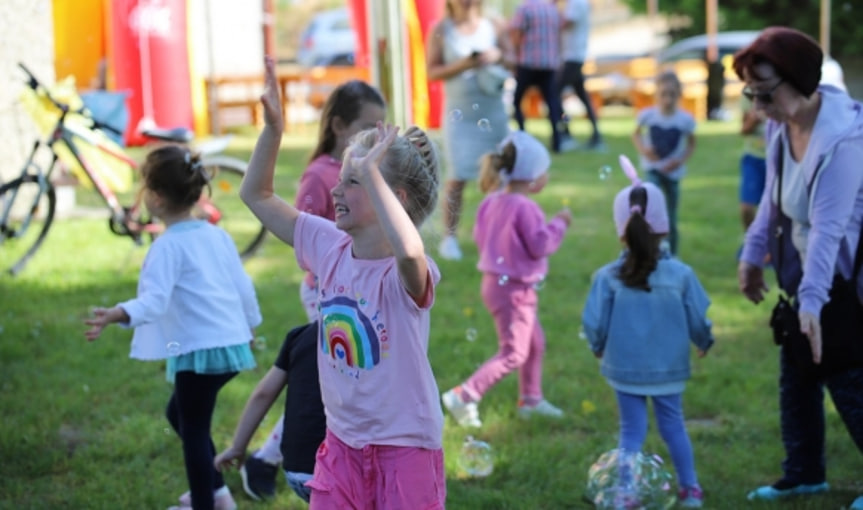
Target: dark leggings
column 801, row 403
column 190, row 412
column 545, row 80
column 571, row 75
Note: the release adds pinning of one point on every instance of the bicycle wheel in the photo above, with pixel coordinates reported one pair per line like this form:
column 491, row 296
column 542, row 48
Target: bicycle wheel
column 26, row 213
column 231, row 213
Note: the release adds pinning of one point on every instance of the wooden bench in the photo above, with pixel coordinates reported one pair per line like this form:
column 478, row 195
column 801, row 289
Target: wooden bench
column 233, row 92
column 298, row 87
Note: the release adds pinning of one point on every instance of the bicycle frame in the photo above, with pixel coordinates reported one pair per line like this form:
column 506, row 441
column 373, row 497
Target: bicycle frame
column 42, row 179
column 85, row 144
column 120, row 216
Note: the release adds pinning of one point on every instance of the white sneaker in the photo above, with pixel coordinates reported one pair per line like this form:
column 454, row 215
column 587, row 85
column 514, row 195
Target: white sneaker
column 567, row 144
column 449, row 249
column 466, row 414
column 222, row 500
column 542, row 408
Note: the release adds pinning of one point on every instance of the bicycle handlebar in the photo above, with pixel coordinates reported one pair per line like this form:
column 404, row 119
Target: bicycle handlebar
column 34, row 84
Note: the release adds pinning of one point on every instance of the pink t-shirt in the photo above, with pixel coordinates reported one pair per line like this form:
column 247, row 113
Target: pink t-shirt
column 376, row 380
column 314, row 194
column 513, row 237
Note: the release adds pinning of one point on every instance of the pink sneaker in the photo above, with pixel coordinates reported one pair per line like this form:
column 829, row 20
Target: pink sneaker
column 690, row 497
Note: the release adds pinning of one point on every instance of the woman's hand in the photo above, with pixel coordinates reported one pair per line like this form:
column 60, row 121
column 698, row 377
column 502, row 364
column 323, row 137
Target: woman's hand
column 490, row 56
column 270, row 99
column 811, row 327
column 751, row 281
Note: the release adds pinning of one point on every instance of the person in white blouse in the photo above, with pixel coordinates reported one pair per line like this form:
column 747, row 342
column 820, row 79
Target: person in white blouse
column 196, row 308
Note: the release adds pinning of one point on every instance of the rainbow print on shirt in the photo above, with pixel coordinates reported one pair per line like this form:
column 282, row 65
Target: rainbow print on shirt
column 348, row 337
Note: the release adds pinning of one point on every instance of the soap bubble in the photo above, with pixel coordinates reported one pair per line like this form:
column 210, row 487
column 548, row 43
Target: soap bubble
column 455, row 115
column 484, row 125
column 475, row 107
column 627, row 479
column 470, row 334
column 604, row 172
column 476, row 457
column 502, row 280
column 173, row 348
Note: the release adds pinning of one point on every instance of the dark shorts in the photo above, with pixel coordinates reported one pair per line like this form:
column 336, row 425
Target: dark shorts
column 752, row 176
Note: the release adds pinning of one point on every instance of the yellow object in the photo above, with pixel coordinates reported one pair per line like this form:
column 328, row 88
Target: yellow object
column 588, row 407
column 117, row 174
column 198, row 83
column 419, row 78
column 79, row 39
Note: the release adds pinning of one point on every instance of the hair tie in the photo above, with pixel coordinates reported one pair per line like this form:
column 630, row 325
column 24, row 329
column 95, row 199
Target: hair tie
column 635, row 209
column 195, row 165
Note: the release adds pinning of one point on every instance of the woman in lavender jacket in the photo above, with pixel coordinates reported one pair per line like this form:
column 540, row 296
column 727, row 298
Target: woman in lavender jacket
column 815, row 136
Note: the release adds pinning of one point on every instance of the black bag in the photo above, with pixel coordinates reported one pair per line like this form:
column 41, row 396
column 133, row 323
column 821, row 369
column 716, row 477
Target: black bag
column 841, row 332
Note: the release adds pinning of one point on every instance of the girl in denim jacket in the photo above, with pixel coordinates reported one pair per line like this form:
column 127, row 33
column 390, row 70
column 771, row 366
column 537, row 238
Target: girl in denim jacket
column 642, row 311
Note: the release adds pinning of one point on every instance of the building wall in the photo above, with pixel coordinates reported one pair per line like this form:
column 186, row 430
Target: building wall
column 26, row 35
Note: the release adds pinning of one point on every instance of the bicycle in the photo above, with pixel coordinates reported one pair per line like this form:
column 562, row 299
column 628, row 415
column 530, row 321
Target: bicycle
column 28, row 201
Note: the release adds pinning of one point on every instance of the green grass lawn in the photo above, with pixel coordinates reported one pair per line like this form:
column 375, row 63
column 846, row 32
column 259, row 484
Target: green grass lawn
column 83, row 425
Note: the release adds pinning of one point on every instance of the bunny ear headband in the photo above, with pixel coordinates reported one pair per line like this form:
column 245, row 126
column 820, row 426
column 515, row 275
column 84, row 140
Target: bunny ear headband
column 653, row 210
column 629, row 170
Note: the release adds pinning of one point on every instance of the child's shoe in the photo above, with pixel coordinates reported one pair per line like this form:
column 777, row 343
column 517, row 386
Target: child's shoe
column 465, row 413
column 783, row 489
column 690, row 497
column 222, row 500
column 259, row 478
column 857, row 504
column 449, row 248
column 542, row 408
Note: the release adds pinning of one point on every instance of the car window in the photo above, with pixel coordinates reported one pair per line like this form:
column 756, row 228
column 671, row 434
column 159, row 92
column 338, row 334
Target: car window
column 341, row 25
column 693, row 54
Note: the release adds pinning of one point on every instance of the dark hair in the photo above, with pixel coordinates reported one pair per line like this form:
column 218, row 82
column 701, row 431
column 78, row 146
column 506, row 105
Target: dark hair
column 795, row 56
column 176, row 174
column 345, row 102
column 643, row 253
column 669, row 78
column 492, row 163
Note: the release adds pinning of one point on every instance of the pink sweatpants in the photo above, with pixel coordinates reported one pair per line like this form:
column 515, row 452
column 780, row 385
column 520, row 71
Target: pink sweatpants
column 377, row 477
column 520, row 339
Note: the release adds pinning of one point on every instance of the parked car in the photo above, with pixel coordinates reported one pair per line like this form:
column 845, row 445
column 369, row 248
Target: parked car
column 328, row 39
column 615, row 79
column 728, row 43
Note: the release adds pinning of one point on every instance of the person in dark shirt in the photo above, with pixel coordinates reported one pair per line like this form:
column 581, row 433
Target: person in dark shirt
column 304, row 421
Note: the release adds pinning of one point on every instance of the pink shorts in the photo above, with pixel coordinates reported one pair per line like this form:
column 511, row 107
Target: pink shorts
column 377, row 477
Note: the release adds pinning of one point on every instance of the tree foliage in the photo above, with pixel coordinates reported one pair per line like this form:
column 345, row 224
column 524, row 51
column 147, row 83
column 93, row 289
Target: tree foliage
column 846, row 32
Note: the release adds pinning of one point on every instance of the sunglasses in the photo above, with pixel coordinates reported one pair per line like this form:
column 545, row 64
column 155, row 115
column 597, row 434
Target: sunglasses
column 762, row 97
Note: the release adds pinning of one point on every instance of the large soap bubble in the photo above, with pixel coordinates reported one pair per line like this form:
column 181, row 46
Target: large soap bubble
column 622, row 479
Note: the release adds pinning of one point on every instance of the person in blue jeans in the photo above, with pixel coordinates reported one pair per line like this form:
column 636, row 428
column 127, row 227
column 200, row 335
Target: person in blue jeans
column 641, row 314
column 304, row 420
column 665, row 139
column 753, row 165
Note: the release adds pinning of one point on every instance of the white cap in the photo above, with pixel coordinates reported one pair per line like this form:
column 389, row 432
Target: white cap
column 531, row 157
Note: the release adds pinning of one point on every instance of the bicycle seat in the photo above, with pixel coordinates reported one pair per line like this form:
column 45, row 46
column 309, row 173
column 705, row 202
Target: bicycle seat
column 179, row 134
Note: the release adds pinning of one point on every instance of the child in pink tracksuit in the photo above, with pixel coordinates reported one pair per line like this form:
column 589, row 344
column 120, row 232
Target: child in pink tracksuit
column 514, row 242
